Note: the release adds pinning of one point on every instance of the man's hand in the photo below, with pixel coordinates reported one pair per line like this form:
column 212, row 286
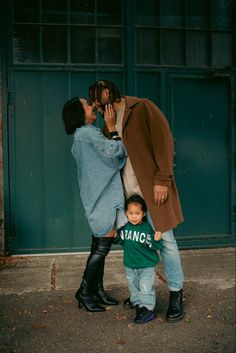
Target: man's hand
column 157, row 236
column 160, row 194
column 110, row 118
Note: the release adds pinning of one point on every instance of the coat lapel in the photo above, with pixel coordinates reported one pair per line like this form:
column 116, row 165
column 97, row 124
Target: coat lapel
column 129, row 103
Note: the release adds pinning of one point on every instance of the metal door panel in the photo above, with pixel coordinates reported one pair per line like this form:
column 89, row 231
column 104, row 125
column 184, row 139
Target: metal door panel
column 47, row 213
column 150, row 85
column 201, row 126
column 27, row 195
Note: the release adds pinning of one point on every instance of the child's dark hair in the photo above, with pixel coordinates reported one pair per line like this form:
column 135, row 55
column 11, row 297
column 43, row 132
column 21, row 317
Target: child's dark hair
column 73, row 115
column 136, row 199
column 95, row 91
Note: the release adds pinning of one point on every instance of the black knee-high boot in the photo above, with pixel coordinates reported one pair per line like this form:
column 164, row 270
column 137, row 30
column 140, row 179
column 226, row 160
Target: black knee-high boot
column 99, row 290
column 99, row 250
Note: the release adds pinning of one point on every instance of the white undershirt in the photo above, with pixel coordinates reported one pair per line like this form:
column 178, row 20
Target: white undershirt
column 130, row 181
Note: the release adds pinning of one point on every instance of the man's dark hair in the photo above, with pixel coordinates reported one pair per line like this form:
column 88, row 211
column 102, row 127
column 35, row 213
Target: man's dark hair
column 136, row 199
column 73, row 115
column 95, row 91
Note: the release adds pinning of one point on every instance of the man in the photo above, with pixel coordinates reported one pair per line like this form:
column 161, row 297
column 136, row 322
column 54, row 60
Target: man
column 149, row 172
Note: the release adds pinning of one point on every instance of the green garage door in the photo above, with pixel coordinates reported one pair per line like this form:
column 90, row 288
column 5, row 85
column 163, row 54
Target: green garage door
column 201, row 116
column 177, row 53
column 48, row 215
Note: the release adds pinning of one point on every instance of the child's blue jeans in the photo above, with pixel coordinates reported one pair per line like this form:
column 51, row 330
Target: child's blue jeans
column 140, row 283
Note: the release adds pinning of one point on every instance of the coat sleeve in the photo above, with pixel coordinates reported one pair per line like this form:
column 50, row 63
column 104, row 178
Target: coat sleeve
column 162, row 144
column 113, row 153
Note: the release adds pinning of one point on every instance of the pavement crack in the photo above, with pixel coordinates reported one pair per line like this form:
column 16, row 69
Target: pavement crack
column 160, row 277
column 53, row 275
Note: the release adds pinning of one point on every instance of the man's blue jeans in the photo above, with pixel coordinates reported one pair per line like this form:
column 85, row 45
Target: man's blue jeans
column 140, row 283
column 170, row 259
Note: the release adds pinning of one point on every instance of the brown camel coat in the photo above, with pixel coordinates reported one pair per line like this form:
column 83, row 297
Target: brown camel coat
column 149, row 143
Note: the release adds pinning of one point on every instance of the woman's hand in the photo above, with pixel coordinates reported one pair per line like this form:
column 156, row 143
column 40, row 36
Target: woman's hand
column 110, row 118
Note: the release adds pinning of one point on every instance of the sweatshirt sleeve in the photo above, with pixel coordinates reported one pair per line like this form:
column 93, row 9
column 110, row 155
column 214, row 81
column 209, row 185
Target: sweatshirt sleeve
column 162, row 144
column 118, row 239
column 156, row 245
column 153, row 244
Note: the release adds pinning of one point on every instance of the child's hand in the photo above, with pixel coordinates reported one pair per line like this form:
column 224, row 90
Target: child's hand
column 115, row 234
column 157, row 236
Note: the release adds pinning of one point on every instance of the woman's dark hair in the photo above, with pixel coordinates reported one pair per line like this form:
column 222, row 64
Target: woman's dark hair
column 95, row 91
column 73, row 115
column 136, row 199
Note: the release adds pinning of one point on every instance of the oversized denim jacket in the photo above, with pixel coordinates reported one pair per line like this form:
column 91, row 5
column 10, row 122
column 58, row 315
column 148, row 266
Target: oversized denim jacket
column 99, row 161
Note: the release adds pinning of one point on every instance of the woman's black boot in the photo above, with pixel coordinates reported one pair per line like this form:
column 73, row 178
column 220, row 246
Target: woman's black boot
column 99, row 290
column 85, row 298
column 99, row 249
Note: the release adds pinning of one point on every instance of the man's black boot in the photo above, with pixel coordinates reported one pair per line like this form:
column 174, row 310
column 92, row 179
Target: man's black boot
column 175, row 311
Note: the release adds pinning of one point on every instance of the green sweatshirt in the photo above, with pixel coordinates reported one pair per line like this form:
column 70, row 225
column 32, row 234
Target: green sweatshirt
column 139, row 245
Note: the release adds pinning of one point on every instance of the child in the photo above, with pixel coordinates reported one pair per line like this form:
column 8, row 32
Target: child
column 140, row 258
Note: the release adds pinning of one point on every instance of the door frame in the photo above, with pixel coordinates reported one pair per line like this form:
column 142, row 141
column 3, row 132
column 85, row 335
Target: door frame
column 7, row 113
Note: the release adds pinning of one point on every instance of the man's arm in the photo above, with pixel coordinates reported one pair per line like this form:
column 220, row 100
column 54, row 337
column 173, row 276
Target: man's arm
column 163, row 151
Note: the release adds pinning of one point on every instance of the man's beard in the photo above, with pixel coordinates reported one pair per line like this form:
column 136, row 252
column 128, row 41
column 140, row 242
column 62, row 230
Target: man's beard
column 103, row 107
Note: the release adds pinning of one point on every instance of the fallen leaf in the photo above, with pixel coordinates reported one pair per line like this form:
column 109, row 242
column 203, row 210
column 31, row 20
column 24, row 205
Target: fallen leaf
column 120, row 341
column 39, row 325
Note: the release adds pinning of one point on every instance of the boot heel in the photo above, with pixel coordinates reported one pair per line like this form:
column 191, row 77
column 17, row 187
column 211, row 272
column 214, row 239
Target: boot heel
column 87, row 301
column 103, row 297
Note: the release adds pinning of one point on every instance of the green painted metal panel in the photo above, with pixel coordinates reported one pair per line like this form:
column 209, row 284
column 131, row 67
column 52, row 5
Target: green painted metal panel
column 198, row 110
column 201, row 126
column 47, row 210
column 150, row 85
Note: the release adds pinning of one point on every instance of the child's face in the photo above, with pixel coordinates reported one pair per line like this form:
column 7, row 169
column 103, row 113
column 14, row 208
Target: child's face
column 135, row 213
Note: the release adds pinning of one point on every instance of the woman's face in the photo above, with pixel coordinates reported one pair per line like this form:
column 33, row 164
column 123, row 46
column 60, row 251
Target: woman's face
column 89, row 114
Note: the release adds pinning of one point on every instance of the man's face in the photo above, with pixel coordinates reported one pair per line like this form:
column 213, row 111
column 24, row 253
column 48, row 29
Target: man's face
column 100, row 106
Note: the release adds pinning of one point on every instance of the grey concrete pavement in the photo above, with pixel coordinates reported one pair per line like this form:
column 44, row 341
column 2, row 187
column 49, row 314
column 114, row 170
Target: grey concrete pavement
column 28, row 274
column 38, row 312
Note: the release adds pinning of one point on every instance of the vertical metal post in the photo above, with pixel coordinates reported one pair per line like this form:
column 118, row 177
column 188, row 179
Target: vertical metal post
column 130, row 47
column 6, row 110
column 40, row 33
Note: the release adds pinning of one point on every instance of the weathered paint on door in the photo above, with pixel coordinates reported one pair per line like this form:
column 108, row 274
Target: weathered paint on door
column 201, row 119
column 167, row 51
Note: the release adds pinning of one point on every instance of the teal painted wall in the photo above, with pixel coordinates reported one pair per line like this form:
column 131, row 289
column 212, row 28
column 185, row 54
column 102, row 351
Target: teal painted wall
column 177, row 54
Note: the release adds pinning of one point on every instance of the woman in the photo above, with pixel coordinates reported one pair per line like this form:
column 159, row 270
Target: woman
column 99, row 161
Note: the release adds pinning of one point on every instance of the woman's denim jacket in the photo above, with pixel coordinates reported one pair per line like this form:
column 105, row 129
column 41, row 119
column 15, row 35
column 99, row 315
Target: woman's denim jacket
column 99, row 161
